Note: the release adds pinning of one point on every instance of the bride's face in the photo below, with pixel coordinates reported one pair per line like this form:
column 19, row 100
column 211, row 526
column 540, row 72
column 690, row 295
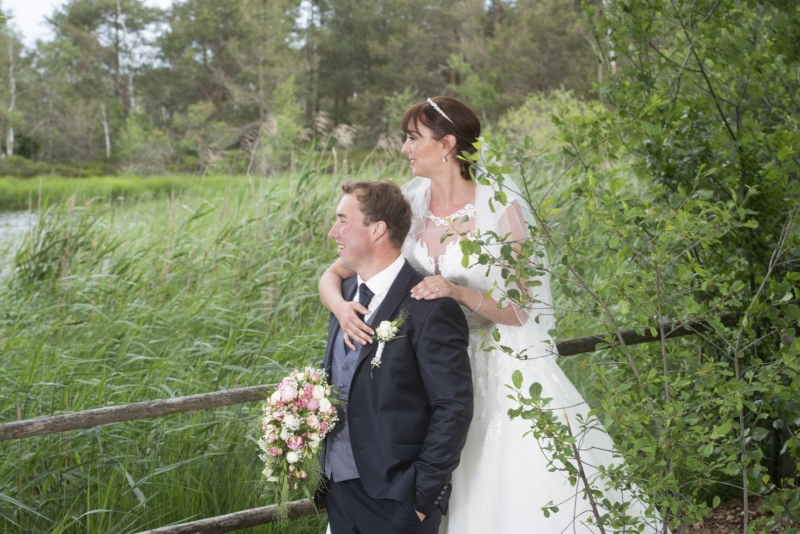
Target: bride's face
column 423, row 151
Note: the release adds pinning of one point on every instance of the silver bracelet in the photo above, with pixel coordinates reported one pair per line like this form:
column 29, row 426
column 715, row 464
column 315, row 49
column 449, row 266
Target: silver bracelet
column 480, row 293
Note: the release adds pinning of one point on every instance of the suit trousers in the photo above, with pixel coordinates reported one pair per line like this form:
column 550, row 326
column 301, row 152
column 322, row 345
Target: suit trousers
column 352, row 511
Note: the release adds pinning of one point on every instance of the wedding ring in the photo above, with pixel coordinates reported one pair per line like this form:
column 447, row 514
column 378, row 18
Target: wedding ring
column 437, row 288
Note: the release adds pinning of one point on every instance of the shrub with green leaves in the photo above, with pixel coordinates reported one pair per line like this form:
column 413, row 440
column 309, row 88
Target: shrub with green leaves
column 681, row 205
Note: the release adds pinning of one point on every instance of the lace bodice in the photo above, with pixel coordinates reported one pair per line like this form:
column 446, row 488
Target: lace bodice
column 429, row 254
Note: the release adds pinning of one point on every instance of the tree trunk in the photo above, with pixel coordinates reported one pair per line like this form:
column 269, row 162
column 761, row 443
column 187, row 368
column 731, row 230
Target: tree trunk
column 12, row 87
column 118, row 90
column 128, row 63
column 261, row 107
column 48, row 110
column 106, row 134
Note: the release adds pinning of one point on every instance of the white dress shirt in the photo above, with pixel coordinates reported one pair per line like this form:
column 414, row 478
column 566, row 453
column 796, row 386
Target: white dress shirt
column 379, row 285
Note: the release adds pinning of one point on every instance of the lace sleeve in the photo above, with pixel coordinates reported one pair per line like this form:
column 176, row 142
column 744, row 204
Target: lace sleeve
column 512, row 222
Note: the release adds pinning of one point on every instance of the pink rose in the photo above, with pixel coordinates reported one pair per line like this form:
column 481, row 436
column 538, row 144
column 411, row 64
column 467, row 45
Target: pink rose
column 288, row 392
column 312, row 404
column 323, row 427
column 295, row 442
column 275, row 451
column 272, row 438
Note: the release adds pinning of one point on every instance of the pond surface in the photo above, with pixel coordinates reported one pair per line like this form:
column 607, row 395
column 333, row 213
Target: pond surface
column 13, row 225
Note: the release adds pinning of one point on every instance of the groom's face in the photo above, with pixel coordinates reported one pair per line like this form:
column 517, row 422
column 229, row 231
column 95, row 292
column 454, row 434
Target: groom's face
column 353, row 239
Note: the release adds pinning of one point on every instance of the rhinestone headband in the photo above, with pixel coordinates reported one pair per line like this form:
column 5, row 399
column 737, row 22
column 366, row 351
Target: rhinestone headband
column 437, row 108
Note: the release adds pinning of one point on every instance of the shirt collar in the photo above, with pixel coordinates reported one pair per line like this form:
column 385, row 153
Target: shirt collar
column 381, row 282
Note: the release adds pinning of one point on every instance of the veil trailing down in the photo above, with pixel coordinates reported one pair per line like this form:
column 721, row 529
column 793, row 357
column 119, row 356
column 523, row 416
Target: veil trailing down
column 504, row 479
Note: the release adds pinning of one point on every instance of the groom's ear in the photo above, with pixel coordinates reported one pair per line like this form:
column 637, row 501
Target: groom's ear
column 379, row 229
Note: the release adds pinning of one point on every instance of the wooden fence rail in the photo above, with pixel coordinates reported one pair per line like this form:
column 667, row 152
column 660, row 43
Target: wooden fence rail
column 204, row 401
column 237, row 520
column 130, row 412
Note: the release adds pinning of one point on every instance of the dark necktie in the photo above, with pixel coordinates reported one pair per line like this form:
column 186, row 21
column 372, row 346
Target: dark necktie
column 365, row 295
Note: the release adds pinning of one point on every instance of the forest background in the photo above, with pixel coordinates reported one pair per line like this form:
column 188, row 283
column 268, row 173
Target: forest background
column 122, row 87
column 657, row 142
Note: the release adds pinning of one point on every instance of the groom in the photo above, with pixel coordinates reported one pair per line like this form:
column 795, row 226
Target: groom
column 406, row 413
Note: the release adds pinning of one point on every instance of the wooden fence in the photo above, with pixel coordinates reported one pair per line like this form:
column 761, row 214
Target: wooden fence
column 259, row 516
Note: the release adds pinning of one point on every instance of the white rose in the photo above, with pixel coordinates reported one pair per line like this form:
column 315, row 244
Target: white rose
column 300, row 376
column 292, row 457
column 312, row 421
column 324, row 405
column 275, row 397
column 268, row 473
column 318, row 392
column 385, row 329
column 289, row 420
column 313, row 440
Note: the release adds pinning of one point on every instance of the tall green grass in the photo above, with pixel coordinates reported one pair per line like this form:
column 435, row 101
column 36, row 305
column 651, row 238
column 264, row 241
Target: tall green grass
column 113, row 302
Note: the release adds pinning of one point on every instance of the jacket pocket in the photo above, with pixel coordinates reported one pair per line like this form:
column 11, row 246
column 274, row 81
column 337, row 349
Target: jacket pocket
column 407, row 451
column 397, row 349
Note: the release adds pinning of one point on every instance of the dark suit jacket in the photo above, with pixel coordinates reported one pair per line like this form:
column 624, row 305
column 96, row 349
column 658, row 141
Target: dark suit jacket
column 409, row 420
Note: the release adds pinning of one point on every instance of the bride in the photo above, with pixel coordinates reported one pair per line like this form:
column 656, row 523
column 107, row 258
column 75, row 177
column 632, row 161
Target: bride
column 503, row 479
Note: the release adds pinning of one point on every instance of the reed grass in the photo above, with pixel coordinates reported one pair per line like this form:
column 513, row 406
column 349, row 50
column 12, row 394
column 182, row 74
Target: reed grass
column 169, row 291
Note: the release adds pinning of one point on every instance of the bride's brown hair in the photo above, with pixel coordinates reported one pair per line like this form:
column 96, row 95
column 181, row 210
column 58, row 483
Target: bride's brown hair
column 463, row 124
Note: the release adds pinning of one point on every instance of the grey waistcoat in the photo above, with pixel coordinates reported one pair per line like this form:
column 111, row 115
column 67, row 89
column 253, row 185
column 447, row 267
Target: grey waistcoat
column 339, row 462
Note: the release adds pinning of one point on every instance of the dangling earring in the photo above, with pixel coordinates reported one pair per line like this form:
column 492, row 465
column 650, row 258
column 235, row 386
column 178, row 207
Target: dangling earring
column 444, row 158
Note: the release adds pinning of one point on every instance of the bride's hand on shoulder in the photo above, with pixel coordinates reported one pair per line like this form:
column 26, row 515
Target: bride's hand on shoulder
column 436, row 287
column 353, row 328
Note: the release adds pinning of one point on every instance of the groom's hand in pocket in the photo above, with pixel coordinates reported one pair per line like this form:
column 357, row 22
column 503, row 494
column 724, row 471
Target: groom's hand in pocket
column 420, row 515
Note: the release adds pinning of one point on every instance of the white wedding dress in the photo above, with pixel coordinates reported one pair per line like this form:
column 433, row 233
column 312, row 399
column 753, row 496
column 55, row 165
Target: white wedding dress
column 503, row 480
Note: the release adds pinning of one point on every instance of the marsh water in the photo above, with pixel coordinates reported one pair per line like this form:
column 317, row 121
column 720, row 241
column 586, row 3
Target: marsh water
column 13, row 225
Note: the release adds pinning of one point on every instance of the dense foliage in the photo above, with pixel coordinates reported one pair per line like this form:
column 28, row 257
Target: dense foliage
column 685, row 192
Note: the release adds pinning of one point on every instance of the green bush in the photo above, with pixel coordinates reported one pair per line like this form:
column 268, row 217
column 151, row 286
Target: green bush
column 21, row 167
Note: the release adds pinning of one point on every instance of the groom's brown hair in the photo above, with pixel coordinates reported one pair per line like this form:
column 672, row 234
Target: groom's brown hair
column 382, row 201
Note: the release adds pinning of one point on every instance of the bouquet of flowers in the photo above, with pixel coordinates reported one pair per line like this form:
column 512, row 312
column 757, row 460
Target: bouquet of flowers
column 297, row 416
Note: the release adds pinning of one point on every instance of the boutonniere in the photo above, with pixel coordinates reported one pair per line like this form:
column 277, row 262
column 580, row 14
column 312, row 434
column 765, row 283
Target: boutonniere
column 386, row 332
